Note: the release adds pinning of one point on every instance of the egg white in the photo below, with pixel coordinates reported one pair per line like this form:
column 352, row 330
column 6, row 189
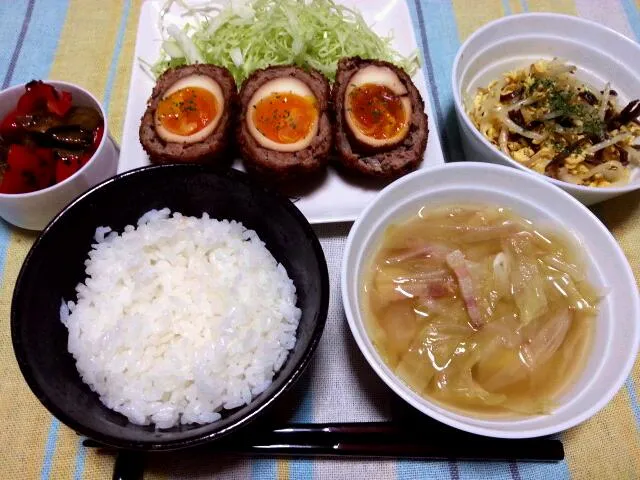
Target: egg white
column 198, row 81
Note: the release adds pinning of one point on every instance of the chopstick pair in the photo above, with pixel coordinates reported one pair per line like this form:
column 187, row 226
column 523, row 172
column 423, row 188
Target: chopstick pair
column 388, row 440
column 421, row 441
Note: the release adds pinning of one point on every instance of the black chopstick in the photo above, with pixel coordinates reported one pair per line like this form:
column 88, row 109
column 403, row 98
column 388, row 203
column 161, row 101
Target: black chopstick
column 388, row 440
column 128, row 466
column 421, row 441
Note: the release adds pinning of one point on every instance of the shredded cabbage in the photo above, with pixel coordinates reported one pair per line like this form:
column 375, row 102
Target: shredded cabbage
column 245, row 35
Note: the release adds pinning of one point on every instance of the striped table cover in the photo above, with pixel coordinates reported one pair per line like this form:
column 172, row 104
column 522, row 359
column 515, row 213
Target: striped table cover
column 91, row 42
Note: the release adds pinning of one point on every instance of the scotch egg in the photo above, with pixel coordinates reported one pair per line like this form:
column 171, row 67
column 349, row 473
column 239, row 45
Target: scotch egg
column 381, row 126
column 284, row 130
column 189, row 117
column 377, row 107
column 189, row 110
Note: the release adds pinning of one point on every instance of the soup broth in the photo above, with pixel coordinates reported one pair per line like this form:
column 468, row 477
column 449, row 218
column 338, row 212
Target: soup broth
column 477, row 309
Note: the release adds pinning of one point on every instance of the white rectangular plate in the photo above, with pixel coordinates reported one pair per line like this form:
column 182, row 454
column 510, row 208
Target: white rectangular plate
column 335, row 199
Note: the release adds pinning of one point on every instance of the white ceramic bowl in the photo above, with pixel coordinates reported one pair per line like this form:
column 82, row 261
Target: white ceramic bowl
column 34, row 210
column 617, row 332
column 600, row 54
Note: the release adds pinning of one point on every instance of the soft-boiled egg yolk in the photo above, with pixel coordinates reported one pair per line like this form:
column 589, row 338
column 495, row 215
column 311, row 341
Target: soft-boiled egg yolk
column 377, row 106
column 283, row 115
column 377, row 111
column 189, row 110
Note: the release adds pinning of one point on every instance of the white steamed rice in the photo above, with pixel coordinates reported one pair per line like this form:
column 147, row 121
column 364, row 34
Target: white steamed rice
column 179, row 318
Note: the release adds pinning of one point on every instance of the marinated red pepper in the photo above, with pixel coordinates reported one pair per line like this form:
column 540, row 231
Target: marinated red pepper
column 39, row 94
column 28, row 169
column 67, row 166
column 10, row 126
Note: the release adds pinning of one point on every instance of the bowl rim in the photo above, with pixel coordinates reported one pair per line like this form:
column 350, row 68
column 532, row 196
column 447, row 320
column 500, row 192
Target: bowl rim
column 393, row 382
column 204, row 437
column 105, row 137
column 456, row 88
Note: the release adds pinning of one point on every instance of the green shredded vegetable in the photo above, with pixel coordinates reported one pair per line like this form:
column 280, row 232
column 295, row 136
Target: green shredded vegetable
column 244, row 36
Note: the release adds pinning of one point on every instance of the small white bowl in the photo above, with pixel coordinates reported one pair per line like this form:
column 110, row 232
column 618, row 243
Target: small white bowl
column 34, row 210
column 516, row 41
column 617, row 331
